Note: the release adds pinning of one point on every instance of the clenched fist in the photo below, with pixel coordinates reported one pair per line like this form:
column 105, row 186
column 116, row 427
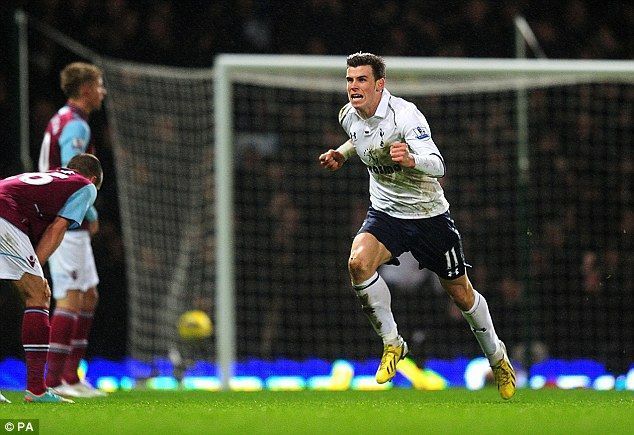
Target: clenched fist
column 400, row 154
column 332, row 160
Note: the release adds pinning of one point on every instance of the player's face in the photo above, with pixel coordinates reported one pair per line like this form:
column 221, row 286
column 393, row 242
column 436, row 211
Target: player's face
column 95, row 93
column 364, row 92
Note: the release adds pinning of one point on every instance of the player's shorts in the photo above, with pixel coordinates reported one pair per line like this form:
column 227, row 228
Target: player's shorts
column 434, row 242
column 72, row 265
column 17, row 255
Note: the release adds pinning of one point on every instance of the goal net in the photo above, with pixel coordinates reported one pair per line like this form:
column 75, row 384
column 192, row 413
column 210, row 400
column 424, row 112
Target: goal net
column 161, row 121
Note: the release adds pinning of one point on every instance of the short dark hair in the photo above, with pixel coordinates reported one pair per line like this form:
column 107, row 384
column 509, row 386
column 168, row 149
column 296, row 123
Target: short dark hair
column 76, row 74
column 376, row 62
column 88, row 166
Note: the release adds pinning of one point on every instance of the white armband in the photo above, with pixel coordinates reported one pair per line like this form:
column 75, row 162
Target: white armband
column 347, row 149
column 431, row 164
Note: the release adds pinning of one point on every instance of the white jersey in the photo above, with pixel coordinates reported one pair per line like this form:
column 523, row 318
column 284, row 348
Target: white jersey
column 404, row 193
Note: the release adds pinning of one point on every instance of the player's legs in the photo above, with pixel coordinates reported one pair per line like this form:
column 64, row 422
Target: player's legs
column 70, row 376
column 35, row 328
column 19, row 264
column 475, row 310
column 366, row 255
column 80, row 335
column 62, row 325
column 73, row 274
column 440, row 250
column 91, row 298
column 35, row 291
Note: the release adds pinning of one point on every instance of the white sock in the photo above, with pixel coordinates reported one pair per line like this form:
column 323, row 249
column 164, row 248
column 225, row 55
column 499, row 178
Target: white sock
column 481, row 324
column 376, row 302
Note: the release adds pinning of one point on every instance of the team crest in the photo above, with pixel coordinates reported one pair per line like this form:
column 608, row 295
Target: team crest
column 372, row 157
column 31, row 260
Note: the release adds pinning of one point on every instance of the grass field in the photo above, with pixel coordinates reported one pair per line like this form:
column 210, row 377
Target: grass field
column 397, row 411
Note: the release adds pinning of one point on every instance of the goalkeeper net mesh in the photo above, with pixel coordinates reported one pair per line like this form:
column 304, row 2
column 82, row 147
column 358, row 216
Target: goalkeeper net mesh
column 162, row 128
column 552, row 253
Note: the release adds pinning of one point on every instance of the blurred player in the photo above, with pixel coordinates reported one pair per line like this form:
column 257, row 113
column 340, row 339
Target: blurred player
column 408, row 212
column 72, row 266
column 36, row 209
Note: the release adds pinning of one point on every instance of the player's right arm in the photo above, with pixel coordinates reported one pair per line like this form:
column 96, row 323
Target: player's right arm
column 73, row 140
column 51, row 238
column 334, row 159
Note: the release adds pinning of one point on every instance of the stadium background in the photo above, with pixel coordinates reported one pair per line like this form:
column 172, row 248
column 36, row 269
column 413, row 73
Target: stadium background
column 180, row 33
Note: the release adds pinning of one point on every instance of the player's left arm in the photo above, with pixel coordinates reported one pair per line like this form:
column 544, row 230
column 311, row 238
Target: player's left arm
column 417, row 150
column 73, row 141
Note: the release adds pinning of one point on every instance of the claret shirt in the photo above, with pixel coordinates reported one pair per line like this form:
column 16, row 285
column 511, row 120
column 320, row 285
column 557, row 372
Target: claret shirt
column 31, row 201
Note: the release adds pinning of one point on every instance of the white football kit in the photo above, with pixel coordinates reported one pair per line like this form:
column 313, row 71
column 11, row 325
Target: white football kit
column 72, row 265
column 405, row 193
column 17, row 255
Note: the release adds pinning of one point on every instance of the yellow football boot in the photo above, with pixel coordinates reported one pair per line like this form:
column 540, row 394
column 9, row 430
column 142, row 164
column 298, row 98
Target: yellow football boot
column 391, row 356
column 504, row 376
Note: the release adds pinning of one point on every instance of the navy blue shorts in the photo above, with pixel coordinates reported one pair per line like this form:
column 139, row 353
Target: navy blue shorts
column 435, row 242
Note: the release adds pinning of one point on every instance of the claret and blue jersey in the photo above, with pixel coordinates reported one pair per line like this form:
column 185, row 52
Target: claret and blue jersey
column 31, row 201
column 67, row 135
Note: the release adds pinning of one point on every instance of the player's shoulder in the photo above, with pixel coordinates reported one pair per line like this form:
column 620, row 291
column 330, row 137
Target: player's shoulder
column 76, row 127
column 345, row 113
column 65, row 111
column 66, row 114
column 401, row 105
column 405, row 110
column 82, row 184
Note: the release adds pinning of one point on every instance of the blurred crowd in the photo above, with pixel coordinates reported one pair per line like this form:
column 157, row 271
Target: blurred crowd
column 191, row 32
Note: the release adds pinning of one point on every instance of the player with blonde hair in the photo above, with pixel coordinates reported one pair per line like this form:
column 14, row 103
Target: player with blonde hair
column 72, row 266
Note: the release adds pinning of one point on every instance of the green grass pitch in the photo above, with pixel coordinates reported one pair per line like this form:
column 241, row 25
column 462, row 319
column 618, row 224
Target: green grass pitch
column 398, row 411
